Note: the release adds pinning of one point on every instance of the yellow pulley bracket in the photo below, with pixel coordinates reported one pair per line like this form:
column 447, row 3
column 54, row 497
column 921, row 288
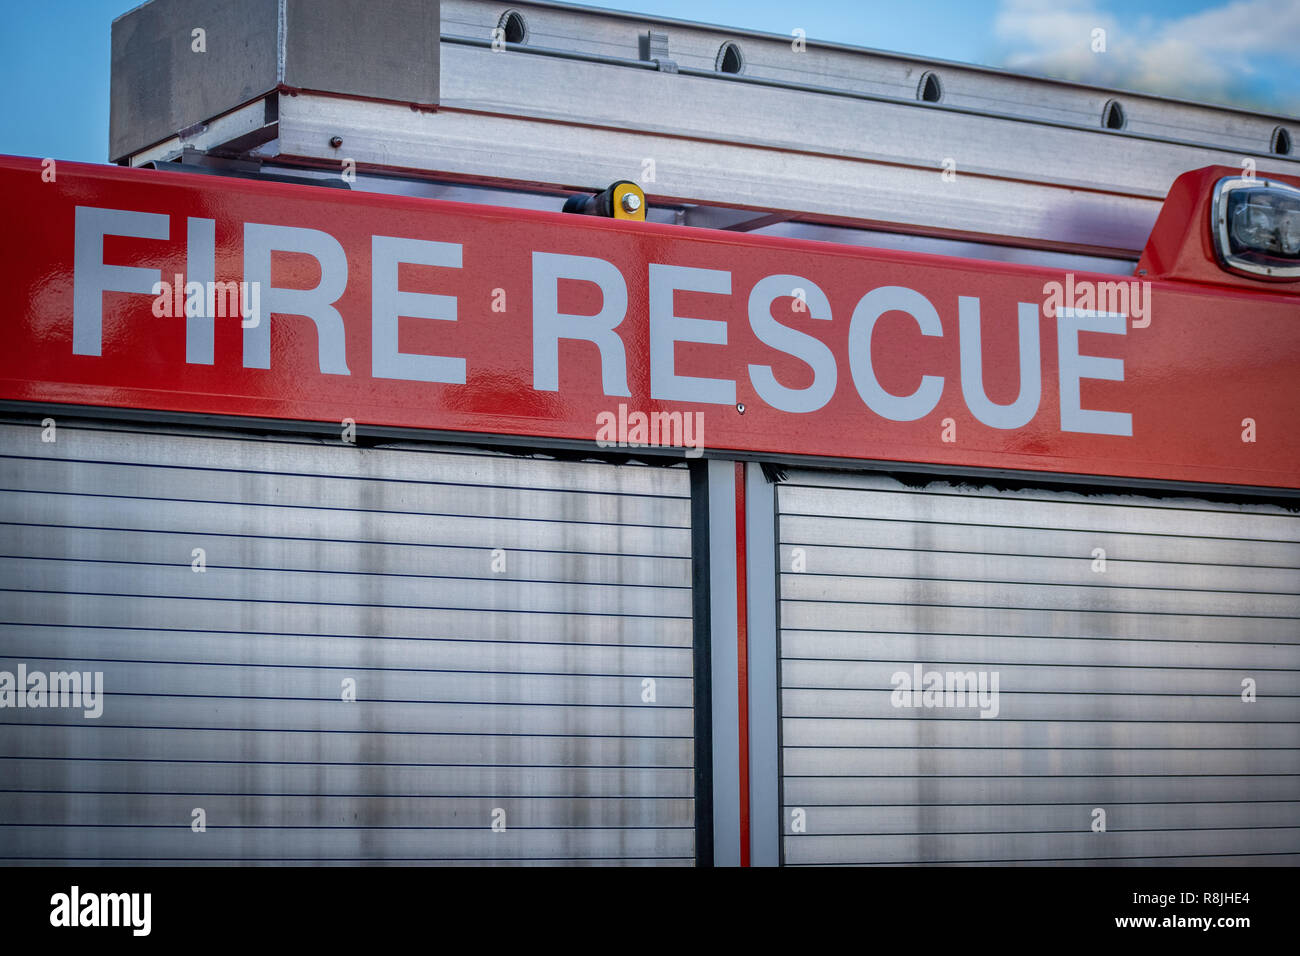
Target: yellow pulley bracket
column 622, row 200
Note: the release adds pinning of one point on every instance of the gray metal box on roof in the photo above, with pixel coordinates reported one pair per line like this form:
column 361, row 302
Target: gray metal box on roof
column 162, row 82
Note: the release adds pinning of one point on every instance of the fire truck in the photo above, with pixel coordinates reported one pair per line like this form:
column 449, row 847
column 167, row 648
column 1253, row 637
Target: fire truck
column 522, row 433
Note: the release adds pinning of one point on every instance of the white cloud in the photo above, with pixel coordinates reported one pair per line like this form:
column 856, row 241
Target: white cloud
column 1212, row 54
column 1243, row 28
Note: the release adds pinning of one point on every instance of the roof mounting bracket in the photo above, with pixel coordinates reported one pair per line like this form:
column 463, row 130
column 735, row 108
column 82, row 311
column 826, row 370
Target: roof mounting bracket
column 654, row 48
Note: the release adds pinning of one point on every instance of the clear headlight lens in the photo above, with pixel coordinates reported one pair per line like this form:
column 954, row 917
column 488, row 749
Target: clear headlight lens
column 1257, row 227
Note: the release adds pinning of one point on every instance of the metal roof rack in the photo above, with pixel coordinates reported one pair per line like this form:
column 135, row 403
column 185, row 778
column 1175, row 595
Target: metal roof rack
column 527, row 102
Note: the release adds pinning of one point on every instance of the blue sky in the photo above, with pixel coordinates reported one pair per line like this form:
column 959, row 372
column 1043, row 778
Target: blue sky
column 54, row 55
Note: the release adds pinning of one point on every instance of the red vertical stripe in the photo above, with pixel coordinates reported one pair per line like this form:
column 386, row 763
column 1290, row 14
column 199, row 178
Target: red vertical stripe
column 742, row 663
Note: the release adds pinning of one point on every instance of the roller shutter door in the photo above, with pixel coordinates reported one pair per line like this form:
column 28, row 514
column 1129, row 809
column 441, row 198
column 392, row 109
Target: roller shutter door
column 499, row 617
column 1118, row 690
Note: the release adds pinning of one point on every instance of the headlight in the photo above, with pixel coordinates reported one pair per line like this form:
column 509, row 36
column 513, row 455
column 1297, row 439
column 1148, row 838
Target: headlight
column 1256, row 227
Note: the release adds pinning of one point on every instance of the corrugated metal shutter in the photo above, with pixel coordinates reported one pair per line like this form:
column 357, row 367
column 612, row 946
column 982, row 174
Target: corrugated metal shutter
column 1118, row 689
column 478, row 686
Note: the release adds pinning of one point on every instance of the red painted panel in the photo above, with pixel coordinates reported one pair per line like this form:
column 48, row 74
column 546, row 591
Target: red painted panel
column 1209, row 358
